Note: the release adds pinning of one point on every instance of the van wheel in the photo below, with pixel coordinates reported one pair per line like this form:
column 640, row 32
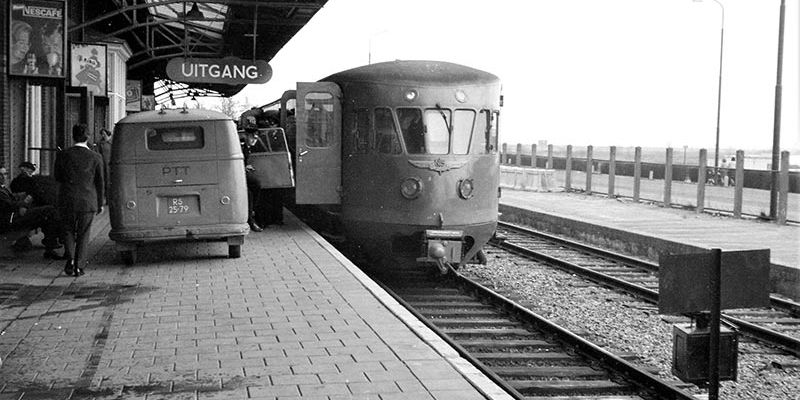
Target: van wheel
column 234, row 250
column 128, row 257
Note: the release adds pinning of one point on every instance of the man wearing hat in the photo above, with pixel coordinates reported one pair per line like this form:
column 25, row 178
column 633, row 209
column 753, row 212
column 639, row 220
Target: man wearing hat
column 17, row 213
column 250, row 144
column 23, row 183
column 43, row 189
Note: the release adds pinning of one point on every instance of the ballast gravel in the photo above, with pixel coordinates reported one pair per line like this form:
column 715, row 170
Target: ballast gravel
column 623, row 325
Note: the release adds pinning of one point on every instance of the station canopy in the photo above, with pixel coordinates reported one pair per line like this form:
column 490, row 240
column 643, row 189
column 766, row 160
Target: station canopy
column 160, row 30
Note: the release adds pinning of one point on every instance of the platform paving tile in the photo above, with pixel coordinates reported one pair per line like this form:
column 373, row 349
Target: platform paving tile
column 186, row 322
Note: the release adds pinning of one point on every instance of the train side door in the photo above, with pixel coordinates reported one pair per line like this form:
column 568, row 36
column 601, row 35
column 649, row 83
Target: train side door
column 318, row 143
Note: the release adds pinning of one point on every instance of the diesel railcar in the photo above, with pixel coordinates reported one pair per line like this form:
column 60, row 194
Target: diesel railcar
column 404, row 153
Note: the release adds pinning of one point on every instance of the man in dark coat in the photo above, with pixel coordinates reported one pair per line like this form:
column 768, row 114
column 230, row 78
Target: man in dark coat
column 251, row 144
column 104, row 148
column 79, row 170
column 18, row 213
column 43, row 189
column 23, row 183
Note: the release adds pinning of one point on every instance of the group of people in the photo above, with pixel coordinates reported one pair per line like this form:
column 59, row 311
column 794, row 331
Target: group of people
column 264, row 206
column 63, row 210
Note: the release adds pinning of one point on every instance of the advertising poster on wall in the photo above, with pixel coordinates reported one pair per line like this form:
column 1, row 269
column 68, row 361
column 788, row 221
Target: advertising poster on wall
column 88, row 62
column 36, row 38
column 133, row 95
column 148, row 102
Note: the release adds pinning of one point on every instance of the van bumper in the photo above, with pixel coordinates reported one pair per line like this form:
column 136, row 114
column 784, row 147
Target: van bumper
column 179, row 233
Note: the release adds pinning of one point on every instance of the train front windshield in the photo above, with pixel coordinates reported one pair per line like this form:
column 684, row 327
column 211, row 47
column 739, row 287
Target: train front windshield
column 443, row 131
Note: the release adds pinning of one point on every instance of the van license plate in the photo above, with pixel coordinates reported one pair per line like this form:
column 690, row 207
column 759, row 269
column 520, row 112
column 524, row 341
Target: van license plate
column 180, row 205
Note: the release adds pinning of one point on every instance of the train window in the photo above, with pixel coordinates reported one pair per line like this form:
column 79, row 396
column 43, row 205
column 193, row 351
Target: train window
column 175, row 138
column 437, row 137
column 386, row 132
column 485, row 136
column 462, row 130
column 319, row 119
column 481, row 135
column 413, row 129
column 494, row 127
column 360, row 132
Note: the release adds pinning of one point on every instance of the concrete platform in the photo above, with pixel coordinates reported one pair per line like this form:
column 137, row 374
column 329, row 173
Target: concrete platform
column 647, row 230
column 291, row 319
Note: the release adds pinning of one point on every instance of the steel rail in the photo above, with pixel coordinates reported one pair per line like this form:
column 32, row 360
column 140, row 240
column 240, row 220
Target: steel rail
column 785, row 342
column 458, row 348
column 636, row 374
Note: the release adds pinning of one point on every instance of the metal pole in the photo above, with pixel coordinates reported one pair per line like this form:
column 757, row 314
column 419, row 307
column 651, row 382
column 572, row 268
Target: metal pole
column 713, row 332
column 776, row 130
column 719, row 87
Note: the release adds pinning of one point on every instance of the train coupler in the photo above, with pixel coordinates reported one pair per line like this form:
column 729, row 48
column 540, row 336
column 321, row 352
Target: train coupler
column 442, row 248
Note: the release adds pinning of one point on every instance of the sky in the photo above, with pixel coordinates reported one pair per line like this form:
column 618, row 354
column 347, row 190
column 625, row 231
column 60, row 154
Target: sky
column 581, row 72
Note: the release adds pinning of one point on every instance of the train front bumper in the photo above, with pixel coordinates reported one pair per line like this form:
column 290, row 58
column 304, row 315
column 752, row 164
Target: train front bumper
column 442, row 246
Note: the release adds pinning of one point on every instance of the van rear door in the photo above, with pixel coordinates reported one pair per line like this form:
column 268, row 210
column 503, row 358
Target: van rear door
column 319, row 148
column 178, row 175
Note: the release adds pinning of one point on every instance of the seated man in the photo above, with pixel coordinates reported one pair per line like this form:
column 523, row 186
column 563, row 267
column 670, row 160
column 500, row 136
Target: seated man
column 16, row 213
column 23, row 183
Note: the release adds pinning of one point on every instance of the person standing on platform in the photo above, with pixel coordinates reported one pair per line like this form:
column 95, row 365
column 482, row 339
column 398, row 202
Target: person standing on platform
column 251, row 144
column 272, row 198
column 104, row 148
column 79, row 171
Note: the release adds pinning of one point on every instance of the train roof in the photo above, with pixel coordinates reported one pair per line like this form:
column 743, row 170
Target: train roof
column 418, row 72
column 174, row 115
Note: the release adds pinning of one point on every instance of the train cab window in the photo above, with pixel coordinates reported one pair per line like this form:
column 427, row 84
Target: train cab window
column 175, row 138
column 359, row 132
column 386, row 132
column 485, row 136
column 319, row 119
column 437, row 137
column 413, row 129
column 494, row 126
column 462, row 131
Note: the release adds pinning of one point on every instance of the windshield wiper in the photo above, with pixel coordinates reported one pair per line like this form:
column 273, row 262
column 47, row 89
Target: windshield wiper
column 444, row 117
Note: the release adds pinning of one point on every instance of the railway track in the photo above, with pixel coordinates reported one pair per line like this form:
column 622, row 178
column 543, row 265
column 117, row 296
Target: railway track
column 778, row 325
column 527, row 355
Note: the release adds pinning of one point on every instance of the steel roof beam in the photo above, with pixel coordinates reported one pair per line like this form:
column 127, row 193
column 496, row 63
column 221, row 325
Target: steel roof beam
column 121, row 10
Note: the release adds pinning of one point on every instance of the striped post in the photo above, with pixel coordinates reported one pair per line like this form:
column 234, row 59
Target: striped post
column 738, row 191
column 568, row 170
column 783, row 189
column 589, row 165
column 637, row 173
column 612, row 170
column 701, row 181
column 668, row 178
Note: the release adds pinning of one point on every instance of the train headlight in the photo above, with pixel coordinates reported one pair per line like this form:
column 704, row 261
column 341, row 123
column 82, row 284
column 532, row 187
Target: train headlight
column 465, row 188
column 461, row 96
column 410, row 95
column 130, row 205
column 411, row 188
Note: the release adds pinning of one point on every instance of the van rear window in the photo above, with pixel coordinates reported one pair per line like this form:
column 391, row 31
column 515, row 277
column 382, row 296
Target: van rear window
column 175, row 138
